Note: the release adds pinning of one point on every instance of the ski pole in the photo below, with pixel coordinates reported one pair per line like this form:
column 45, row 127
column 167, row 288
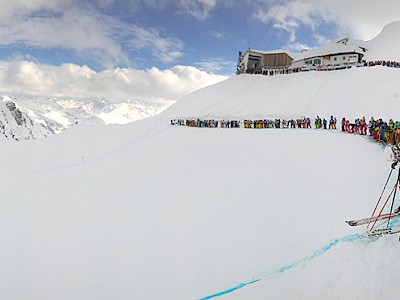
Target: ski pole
column 379, row 200
column 394, row 196
column 387, row 200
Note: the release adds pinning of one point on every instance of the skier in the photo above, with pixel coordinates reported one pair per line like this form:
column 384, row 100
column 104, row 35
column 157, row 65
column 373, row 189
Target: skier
column 317, row 123
column 363, row 126
column 356, row 125
column 324, row 122
column 308, row 125
column 371, row 126
column 331, row 122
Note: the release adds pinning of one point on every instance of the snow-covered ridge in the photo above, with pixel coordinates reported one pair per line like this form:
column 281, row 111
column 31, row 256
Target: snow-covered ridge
column 17, row 125
column 58, row 114
column 386, row 45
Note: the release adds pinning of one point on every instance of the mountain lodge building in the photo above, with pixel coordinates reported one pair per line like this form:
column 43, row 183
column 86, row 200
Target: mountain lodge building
column 340, row 52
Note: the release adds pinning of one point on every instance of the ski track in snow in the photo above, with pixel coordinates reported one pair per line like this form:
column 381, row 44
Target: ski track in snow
column 121, row 148
column 346, row 239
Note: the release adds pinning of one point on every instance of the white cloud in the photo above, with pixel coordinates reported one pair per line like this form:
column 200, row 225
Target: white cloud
column 152, row 85
column 362, row 19
column 9, row 9
column 321, row 40
column 166, row 48
column 73, row 29
column 86, row 31
column 217, row 65
column 218, row 35
column 199, row 9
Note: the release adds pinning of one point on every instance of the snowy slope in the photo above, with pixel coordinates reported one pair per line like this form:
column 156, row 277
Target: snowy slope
column 386, row 45
column 153, row 211
column 347, row 93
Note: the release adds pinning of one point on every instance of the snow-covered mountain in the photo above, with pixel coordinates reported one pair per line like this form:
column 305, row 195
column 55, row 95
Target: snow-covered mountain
column 16, row 125
column 58, row 114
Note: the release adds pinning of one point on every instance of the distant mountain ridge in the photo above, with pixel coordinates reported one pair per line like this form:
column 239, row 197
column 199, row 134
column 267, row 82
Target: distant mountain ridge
column 54, row 115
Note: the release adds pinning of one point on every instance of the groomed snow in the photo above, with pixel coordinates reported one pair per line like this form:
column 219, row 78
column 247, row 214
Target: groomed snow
column 153, row 211
column 350, row 93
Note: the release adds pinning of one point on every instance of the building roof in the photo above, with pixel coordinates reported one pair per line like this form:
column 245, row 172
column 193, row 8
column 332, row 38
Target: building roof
column 340, row 46
column 292, row 55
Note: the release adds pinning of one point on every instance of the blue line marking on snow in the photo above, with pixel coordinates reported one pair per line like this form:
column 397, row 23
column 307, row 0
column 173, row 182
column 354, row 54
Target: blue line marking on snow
column 346, row 239
column 235, row 288
column 394, row 222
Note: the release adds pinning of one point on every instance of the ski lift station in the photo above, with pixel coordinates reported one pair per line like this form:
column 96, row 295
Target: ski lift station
column 344, row 51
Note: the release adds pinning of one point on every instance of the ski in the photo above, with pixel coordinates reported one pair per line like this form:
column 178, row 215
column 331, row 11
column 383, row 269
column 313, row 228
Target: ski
column 372, row 219
column 383, row 231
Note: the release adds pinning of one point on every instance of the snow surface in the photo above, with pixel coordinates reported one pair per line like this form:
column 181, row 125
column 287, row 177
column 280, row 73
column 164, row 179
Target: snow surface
column 350, row 93
column 153, row 211
column 386, row 45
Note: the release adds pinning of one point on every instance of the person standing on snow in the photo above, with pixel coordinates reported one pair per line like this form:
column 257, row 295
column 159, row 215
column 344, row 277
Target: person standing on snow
column 363, row 126
column 317, row 123
column 343, row 124
column 371, row 126
column 331, row 122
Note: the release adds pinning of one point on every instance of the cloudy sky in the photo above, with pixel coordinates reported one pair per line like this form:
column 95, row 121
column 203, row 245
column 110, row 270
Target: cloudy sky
column 161, row 49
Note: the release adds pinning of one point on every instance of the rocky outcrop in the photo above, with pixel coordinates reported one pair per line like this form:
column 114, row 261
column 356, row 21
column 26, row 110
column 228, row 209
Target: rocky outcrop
column 17, row 125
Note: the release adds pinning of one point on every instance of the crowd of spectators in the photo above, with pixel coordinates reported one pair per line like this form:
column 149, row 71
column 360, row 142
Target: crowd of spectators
column 380, row 130
column 304, row 122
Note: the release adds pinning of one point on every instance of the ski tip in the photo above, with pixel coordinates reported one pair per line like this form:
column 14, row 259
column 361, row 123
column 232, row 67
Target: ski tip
column 351, row 223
